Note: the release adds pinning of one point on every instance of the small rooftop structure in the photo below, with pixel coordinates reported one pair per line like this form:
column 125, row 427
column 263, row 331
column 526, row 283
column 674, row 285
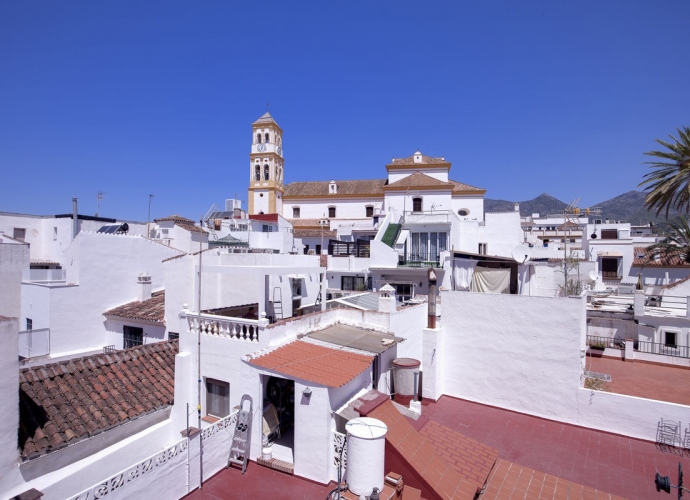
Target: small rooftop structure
column 356, row 338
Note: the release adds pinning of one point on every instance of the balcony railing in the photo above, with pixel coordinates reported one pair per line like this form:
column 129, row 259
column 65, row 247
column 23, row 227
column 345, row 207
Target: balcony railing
column 344, row 248
column 420, row 259
column 611, row 274
column 33, row 343
column 43, row 275
column 676, row 351
column 432, row 217
column 223, row 326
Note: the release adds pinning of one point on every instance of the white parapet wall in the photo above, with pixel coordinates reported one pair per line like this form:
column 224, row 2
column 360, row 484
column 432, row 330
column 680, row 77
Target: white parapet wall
column 525, row 354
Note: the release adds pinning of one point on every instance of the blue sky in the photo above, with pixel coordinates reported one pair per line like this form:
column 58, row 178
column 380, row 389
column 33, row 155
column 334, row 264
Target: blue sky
column 133, row 98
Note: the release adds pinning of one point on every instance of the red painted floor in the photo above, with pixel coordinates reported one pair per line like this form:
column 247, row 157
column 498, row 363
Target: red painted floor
column 258, row 482
column 644, row 380
column 607, row 462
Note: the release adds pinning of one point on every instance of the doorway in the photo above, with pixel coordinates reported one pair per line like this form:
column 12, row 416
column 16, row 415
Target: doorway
column 279, row 417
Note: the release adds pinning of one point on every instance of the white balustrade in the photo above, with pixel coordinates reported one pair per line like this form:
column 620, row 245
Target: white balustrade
column 223, row 326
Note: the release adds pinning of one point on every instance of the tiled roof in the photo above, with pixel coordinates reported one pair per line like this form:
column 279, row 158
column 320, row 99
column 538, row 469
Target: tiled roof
column 473, row 460
column 152, row 309
column 264, row 217
column 675, row 283
column 425, row 160
column 44, row 262
column 311, row 223
column 65, row 402
column 191, row 227
column 175, row 218
column 461, row 187
column 428, row 469
column 673, row 259
column 419, row 179
column 510, row 481
column 265, row 118
column 371, row 187
column 313, row 233
column 314, row 363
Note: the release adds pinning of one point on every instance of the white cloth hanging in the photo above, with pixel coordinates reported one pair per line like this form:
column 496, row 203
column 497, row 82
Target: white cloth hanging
column 491, row 280
column 462, row 276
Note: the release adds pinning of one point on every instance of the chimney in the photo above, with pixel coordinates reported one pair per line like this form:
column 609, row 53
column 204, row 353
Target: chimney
column 516, row 207
column 75, row 219
column 387, row 299
column 143, row 287
column 431, row 302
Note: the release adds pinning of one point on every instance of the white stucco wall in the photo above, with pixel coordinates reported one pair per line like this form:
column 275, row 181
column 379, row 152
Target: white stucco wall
column 9, row 385
column 345, row 208
column 114, row 329
column 14, row 258
column 501, row 232
column 473, row 203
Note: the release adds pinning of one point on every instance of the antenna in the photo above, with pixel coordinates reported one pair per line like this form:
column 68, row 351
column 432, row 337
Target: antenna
column 520, row 254
column 99, row 197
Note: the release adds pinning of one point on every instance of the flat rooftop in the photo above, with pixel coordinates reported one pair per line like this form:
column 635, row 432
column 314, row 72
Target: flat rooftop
column 607, row 462
column 644, row 380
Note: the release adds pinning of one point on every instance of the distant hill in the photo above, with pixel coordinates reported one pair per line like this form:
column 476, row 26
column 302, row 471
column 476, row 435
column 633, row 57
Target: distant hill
column 627, row 206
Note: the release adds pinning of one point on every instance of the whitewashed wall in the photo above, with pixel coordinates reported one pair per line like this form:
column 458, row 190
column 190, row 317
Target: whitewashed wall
column 114, row 331
column 345, row 208
column 9, row 411
column 14, row 258
column 402, row 200
column 502, row 232
column 473, row 203
column 395, row 175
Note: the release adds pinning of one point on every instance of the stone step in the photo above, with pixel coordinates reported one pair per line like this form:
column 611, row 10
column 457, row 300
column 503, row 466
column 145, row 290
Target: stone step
column 279, row 465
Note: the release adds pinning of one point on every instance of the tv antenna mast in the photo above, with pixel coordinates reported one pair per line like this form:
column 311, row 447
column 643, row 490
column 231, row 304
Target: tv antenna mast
column 99, row 197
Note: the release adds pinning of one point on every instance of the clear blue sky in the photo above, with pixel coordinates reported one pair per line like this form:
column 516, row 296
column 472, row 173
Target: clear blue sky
column 133, row 98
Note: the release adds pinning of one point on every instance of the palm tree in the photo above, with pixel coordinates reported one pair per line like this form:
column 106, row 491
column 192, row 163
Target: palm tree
column 675, row 244
column 668, row 185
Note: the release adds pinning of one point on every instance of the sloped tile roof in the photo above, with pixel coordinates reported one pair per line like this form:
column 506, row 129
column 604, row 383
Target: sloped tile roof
column 265, row 118
column 314, row 363
column 63, row 403
column 419, row 179
column 429, row 468
column 264, row 217
column 175, row 218
column 152, row 309
column 370, row 187
column 191, row 227
column 310, row 223
column 461, row 187
column 509, row 481
column 426, row 160
column 673, row 259
column 313, row 233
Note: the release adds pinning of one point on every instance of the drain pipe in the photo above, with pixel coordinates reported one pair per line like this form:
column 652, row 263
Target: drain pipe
column 75, row 219
column 198, row 367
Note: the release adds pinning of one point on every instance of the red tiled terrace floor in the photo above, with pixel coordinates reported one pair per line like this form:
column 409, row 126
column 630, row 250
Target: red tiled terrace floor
column 645, row 380
column 607, row 462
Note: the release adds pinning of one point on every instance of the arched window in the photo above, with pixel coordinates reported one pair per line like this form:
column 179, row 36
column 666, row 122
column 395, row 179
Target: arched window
column 258, row 138
column 267, row 137
column 331, row 212
column 257, row 173
column 416, row 204
column 266, row 172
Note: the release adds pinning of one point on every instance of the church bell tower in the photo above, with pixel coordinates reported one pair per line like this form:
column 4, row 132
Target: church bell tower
column 266, row 167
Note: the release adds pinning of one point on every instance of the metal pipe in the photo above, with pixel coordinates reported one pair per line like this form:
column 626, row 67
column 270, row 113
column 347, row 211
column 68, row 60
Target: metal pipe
column 198, row 366
column 75, row 219
column 416, row 383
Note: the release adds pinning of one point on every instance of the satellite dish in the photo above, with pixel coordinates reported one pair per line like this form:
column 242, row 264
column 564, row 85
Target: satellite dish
column 593, row 275
column 520, row 254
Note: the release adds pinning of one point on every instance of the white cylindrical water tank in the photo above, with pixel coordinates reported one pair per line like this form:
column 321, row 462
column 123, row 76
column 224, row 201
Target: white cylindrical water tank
column 366, row 447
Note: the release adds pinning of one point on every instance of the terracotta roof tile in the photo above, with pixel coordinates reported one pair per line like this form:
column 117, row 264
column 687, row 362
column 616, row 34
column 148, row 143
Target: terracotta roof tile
column 461, row 187
column 71, row 400
column 643, row 257
column 419, row 179
column 425, row 160
column 314, row 363
column 264, row 217
column 509, row 481
column 314, row 233
column 175, row 218
column 152, row 309
column 370, row 187
column 191, row 227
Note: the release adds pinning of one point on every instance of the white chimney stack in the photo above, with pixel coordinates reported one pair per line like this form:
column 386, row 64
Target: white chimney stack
column 143, row 287
column 387, row 299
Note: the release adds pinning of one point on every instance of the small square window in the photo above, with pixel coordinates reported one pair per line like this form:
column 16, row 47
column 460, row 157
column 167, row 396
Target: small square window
column 331, row 212
column 19, row 233
column 173, row 336
column 670, row 339
column 29, row 324
column 295, row 212
column 217, row 398
column 369, row 211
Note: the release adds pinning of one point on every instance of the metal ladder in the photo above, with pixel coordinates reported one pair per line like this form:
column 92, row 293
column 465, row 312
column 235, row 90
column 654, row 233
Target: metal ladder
column 242, row 438
column 278, row 303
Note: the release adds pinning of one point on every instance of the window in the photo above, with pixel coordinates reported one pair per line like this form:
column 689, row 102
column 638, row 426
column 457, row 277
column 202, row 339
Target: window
column 463, row 212
column 403, row 292
column 54, row 233
column 416, row 204
column 267, row 137
column 258, row 138
column 217, row 398
column 266, row 172
column 132, row 337
column 19, row 233
column 609, row 267
column 306, row 249
column 355, row 283
column 609, row 234
column 29, row 324
column 318, row 249
column 296, row 285
column 257, row 173
column 442, row 242
column 267, row 228
column 369, row 211
column 670, row 339
column 482, row 249
column 331, row 212
column 295, row 212
column 173, row 336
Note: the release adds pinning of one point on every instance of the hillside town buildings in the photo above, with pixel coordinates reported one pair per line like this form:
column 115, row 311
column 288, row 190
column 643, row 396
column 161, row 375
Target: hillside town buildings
column 339, row 329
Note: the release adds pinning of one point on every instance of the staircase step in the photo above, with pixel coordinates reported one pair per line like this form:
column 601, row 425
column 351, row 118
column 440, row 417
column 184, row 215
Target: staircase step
column 279, row 465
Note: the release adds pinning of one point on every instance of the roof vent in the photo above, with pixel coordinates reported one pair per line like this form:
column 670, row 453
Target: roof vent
column 332, row 188
column 386, row 290
column 418, row 157
column 144, row 278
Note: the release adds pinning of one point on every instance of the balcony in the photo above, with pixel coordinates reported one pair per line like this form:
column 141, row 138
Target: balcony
column 43, row 275
column 357, row 248
column 223, row 326
column 420, row 259
column 431, row 217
